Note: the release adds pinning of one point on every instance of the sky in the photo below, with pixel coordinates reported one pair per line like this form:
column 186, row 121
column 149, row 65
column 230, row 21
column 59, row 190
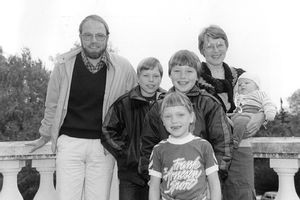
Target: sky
column 263, row 34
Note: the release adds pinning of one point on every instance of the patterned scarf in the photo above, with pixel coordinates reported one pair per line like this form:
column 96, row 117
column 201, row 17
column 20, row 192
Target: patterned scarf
column 222, row 85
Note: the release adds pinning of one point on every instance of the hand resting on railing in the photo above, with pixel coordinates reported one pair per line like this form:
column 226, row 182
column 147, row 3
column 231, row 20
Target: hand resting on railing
column 36, row 144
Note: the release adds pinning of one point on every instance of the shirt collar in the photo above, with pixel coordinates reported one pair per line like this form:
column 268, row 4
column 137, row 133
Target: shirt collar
column 102, row 62
column 184, row 140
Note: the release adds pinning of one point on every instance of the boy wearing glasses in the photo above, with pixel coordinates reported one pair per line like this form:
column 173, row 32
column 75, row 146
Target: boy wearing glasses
column 82, row 86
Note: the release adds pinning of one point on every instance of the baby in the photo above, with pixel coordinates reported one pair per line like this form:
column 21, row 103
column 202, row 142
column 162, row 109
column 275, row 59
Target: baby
column 249, row 99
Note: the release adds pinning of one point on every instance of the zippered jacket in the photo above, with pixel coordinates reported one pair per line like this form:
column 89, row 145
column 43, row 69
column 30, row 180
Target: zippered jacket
column 211, row 124
column 121, row 132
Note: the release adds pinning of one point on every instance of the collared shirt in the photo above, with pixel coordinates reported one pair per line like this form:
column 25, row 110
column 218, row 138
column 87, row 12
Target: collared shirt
column 92, row 68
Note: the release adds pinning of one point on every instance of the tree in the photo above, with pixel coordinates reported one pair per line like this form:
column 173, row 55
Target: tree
column 294, row 102
column 23, row 85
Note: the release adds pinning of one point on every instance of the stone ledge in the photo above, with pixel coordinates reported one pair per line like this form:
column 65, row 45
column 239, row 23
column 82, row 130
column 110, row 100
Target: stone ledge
column 276, row 155
column 276, row 147
column 263, row 147
column 17, row 150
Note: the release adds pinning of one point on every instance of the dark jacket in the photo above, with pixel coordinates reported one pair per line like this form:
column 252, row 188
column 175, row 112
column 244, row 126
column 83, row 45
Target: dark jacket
column 222, row 85
column 121, row 132
column 211, row 124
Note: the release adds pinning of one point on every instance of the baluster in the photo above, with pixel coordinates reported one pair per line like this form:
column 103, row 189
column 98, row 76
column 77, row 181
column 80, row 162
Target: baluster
column 10, row 170
column 286, row 169
column 46, row 169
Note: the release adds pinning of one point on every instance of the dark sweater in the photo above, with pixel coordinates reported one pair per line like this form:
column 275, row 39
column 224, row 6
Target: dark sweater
column 84, row 114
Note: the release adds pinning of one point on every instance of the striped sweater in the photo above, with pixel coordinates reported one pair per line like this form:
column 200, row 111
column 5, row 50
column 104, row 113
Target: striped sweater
column 256, row 100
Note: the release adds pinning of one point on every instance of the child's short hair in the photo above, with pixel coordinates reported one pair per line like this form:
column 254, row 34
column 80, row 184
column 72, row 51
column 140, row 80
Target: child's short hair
column 178, row 99
column 149, row 64
column 185, row 57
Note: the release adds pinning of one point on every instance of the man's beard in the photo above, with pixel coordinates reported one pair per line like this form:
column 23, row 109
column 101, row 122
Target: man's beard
column 94, row 54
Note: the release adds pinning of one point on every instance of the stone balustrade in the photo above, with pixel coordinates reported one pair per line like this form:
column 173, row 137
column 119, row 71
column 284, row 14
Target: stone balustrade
column 12, row 159
column 284, row 155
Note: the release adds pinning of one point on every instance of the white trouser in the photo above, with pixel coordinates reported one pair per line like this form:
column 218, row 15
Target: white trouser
column 82, row 169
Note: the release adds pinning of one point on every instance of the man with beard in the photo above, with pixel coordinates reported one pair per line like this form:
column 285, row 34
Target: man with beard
column 82, row 86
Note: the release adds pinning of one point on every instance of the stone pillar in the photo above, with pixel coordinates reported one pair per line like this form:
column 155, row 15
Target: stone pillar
column 286, row 169
column 46, row 168
column 10, row 170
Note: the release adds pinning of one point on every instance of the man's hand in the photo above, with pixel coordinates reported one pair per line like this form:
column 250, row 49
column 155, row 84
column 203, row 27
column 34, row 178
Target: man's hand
column 36, row 144
column 255, row 123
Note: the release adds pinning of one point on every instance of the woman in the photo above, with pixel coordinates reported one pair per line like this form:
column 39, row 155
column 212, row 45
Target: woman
column 216, row 74
column 213, row 45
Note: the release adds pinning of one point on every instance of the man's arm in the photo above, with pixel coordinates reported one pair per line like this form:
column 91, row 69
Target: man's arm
column 131, row 77
column 52, row 97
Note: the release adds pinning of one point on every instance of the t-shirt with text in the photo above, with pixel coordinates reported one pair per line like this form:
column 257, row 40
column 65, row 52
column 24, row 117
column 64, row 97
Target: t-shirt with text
column 183, row 165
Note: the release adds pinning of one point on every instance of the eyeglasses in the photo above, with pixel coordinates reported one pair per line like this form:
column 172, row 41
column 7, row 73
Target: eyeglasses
column 219, row 46
column 89, row 37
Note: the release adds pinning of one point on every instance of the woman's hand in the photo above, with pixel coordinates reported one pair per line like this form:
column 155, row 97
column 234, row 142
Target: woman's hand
column 256, row 120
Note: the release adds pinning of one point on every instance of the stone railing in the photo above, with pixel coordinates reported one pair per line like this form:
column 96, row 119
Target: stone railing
column 284, row 155
column 12, row 159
